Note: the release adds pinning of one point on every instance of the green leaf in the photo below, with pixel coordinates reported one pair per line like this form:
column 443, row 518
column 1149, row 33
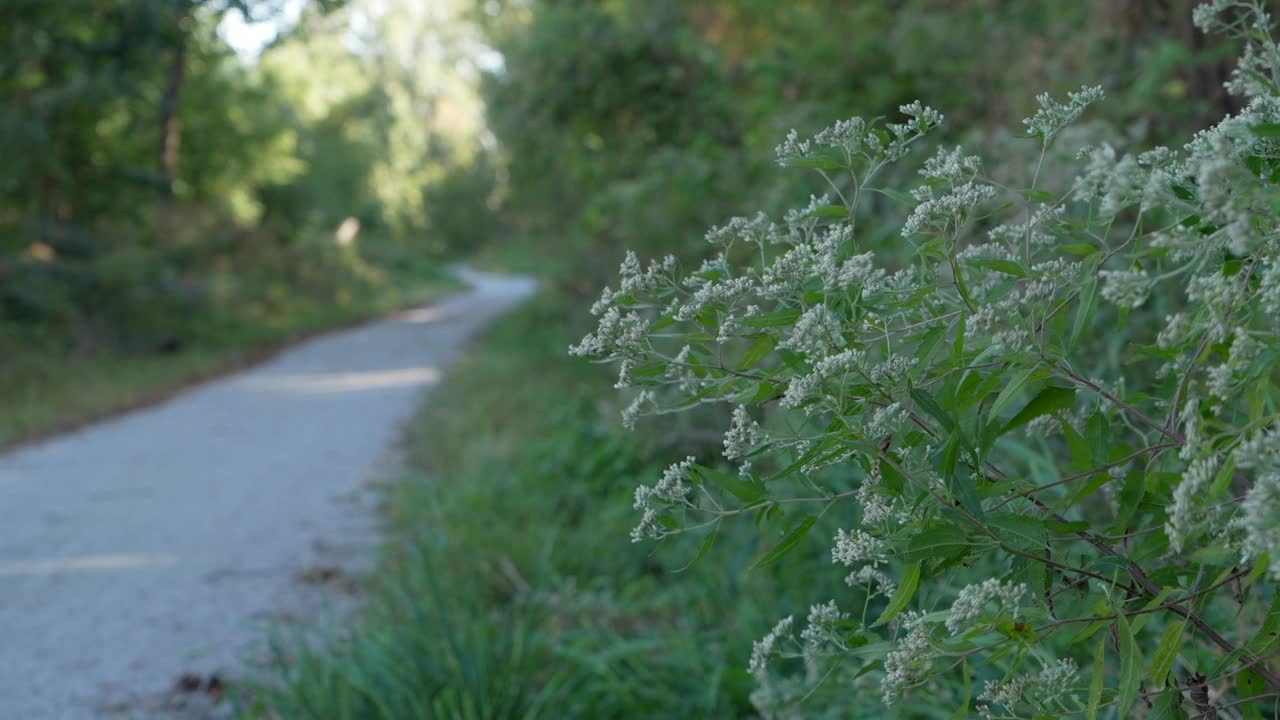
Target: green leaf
column 1051, row 399
column 1020, row 531
column 787, row 543
column 1169, row 705
column 1084, row 312
column 777, row 318
column 1140, row 621
column 1034, row 194
column 758, row 351
column 704, row 548
column 963, row 708
column 904, row 198
column 1081, row 453
column 816, row 162
column 931, row 406
column 831, row 211
column 906, row 589
column 1250, row 684
column 1011, row 392
column 747, row 492
column 961, row 483
column 1267, row 130
column 1078, row 248
column 1008, row 267
column 1166, row 652
column 1099, row 677
column 1130, row 669
column 1131, row 494
column 940, row 541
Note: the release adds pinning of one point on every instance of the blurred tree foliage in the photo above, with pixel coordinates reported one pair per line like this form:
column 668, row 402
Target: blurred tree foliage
column 628, row 123
column 156, row 185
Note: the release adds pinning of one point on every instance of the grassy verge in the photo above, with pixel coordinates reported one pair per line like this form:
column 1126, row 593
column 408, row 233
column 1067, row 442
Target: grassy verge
column 48, row 388
column 509, row 587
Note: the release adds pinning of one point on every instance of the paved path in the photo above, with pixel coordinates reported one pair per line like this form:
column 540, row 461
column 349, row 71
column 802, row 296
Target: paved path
column 160, row 543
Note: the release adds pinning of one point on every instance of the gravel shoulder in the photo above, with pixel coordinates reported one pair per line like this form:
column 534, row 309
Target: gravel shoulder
column 150, row 551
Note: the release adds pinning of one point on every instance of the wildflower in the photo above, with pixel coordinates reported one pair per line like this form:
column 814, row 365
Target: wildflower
column 952, row 167
column 909, row 662
column 744, row 435
column 789, row 271
column 939, row 212
column 973, row 599
column 817, row 333
column 886, row 421
column 1269, row 288
column 1053, row 115
column 922, row 119
column 767, row 646
column 845, row 135
column 857, row 547
column 1243, row 351
column 1125, row 288
column 892, row 370
column 822, row 628
column 671, row 489
column 1040, row 691
column 618, row 335
column 828, row 368
column 877, row 581
column 1181, row 520
column 726, row 292
column 643, row 404
column 876, row 508
column 792, row 148
column 1260, row 520
column 1259, row 450
column 1175, row 330
column 755, row 230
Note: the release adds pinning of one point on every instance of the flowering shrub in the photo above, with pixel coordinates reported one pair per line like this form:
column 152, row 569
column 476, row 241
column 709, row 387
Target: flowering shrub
column 1070, row 392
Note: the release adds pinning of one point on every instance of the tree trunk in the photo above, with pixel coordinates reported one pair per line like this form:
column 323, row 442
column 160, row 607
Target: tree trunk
column 170, row 122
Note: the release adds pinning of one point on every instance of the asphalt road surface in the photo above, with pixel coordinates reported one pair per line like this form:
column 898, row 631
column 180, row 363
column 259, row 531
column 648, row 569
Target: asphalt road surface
column 142, row 557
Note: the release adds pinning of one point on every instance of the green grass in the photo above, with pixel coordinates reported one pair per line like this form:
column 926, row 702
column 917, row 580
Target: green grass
column 509, row 587
column 49, row 388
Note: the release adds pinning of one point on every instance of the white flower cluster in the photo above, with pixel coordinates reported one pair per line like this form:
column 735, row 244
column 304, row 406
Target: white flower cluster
column 744, row 435
column 671, row 489
column 1040, row 691
column 952, row 167
column 822, row 621
column 1222, row 378
column 1260, row 521
column 1182, row 513
column 727, row 292
column 922, row 119
column 1054, row 115
column 767, row 646
column 644, row 403
column 1125, row 288
column 972, row 602
column 876, row 506
column 909, row 662
column 618, row 335
column 940, row 212
column 816, row 334
column 758, row 230
column 1260, row 450
column 876, row 580
column 1261, row 54
column 831, row 367
column 855, row 138
column 846, row 135
column 859, row 546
